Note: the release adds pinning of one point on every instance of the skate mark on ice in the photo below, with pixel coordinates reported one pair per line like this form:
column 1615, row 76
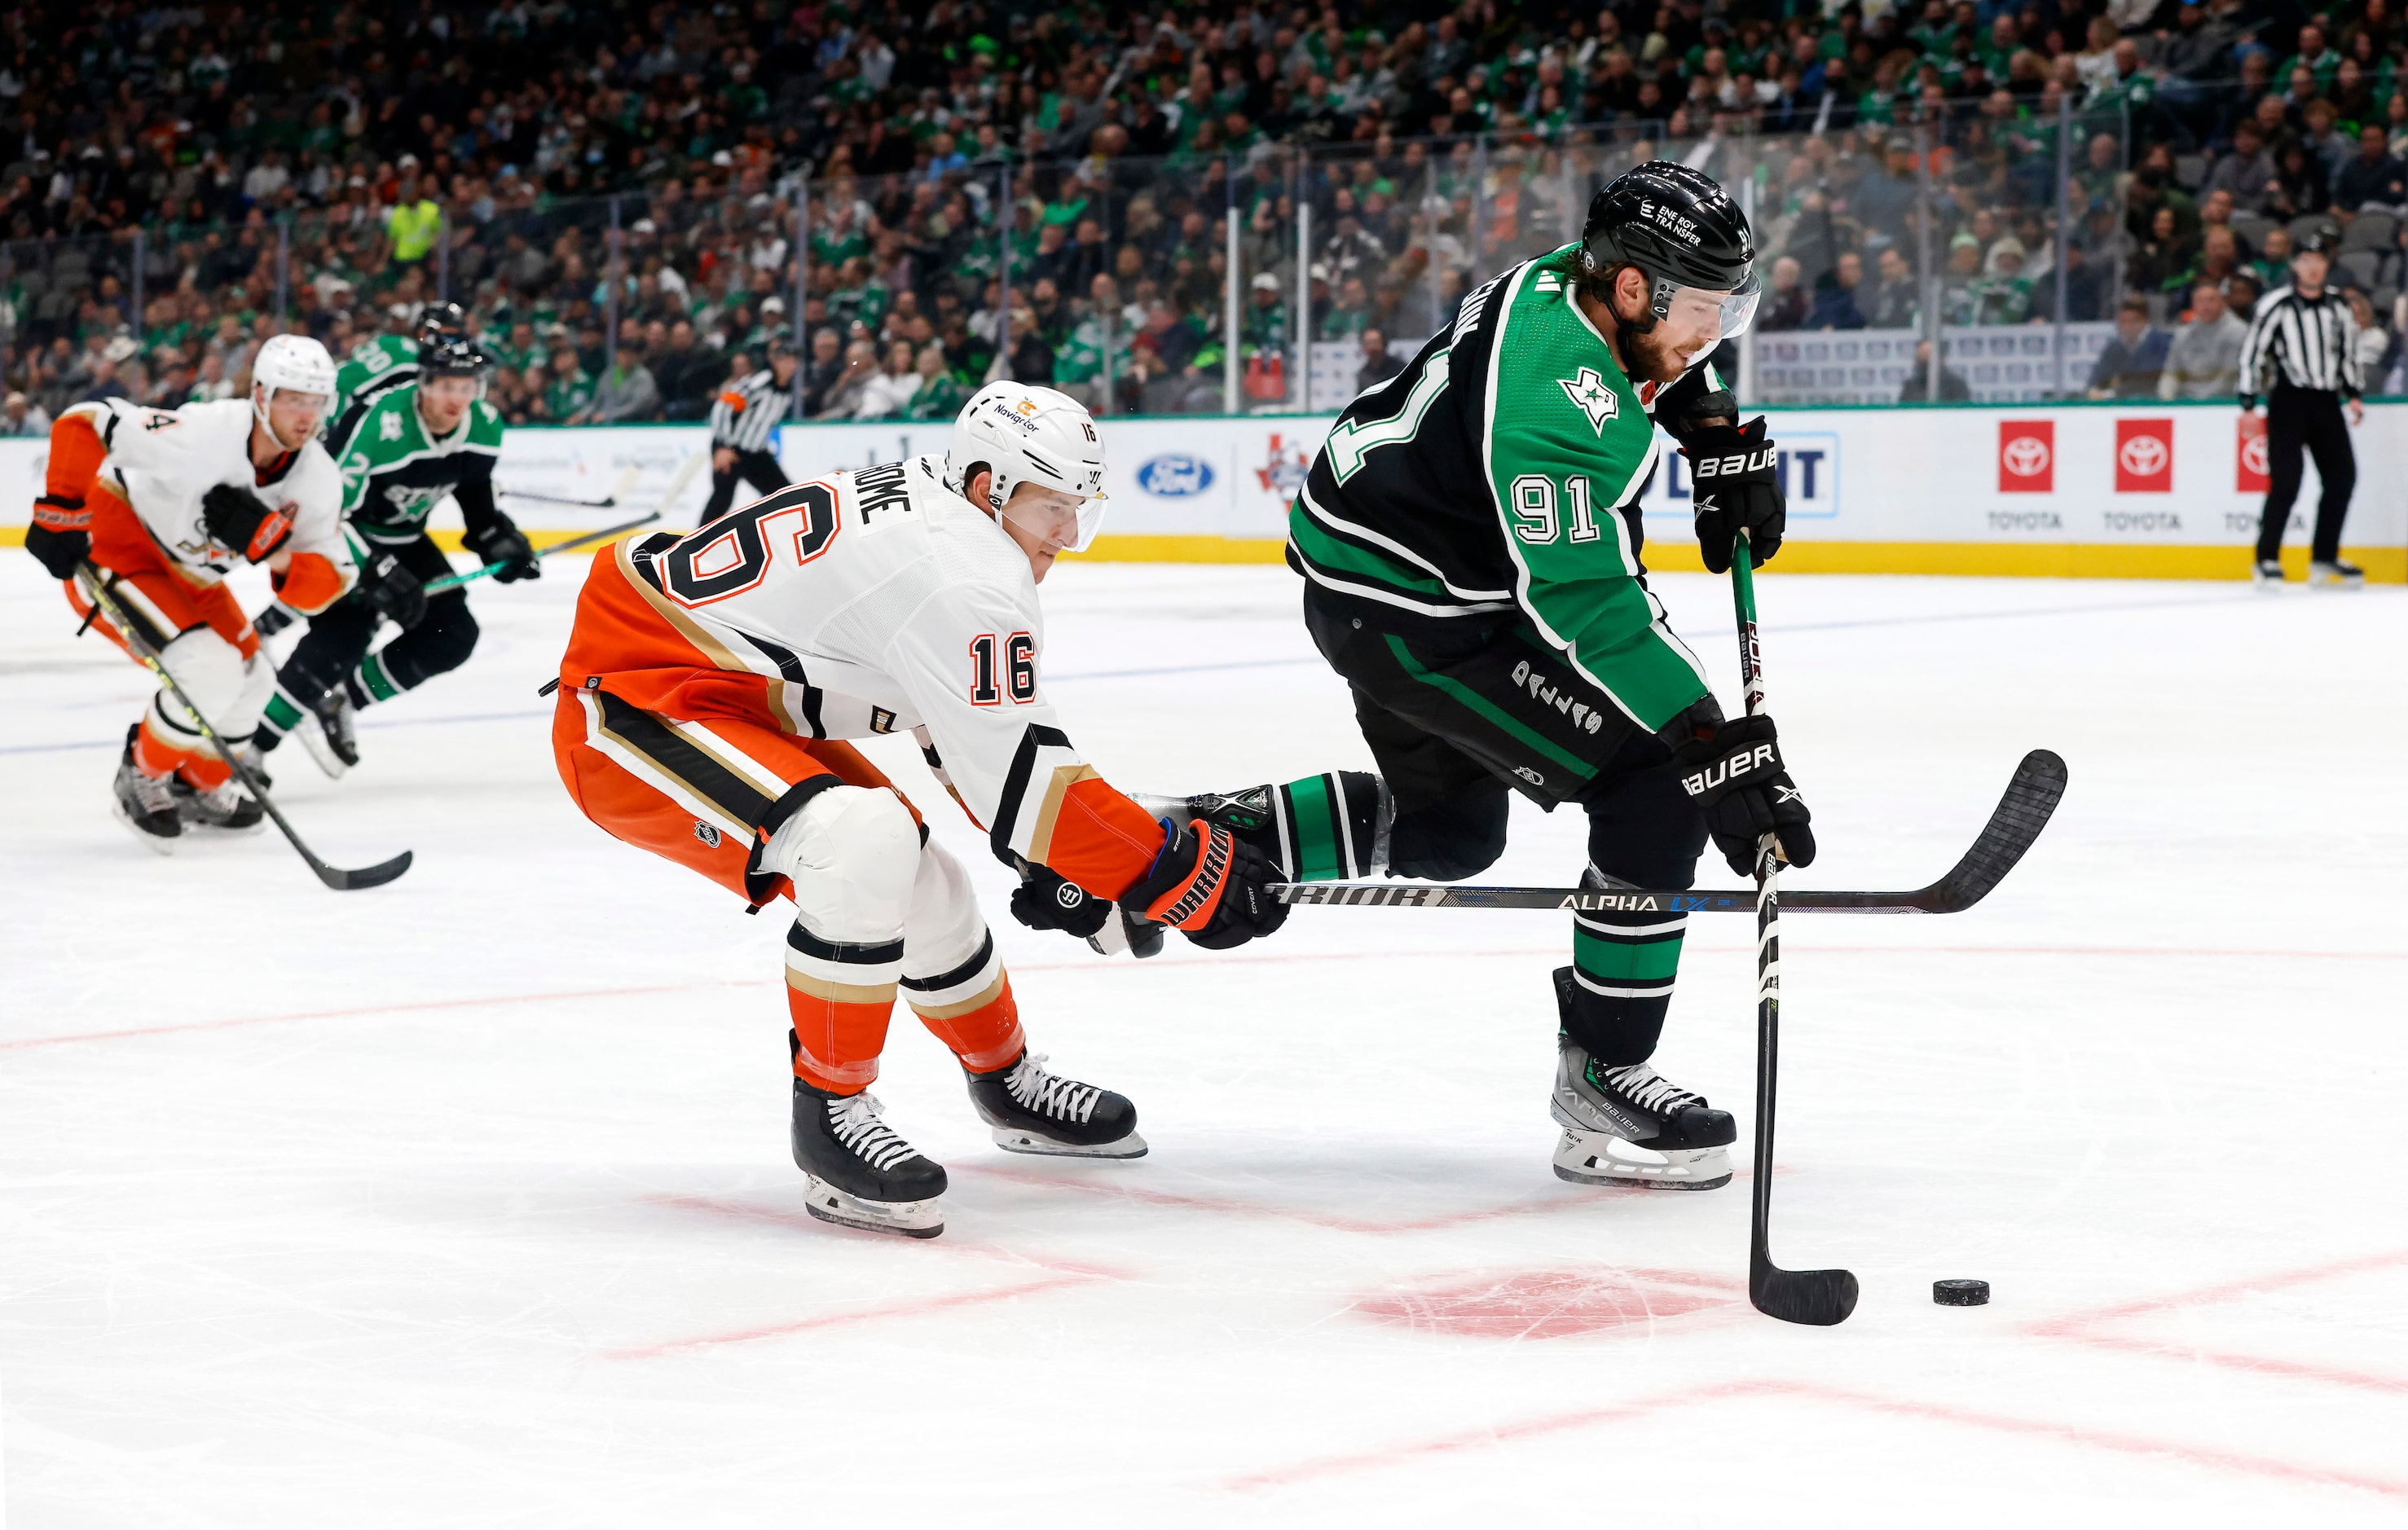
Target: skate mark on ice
column 2112, row 1440
column 2087, row 1327
column 1551, row 1304
column 1332, row 1220
column 1056, row 1275
column 485, row 1001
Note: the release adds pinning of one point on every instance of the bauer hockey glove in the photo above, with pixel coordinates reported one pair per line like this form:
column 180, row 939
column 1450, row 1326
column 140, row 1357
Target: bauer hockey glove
column 60, row 535
column 1736, row 778
column 504, row 543
column 239, row 520
column 395, row 592
column 1731, row 472
column 1213, row 886
column 1046, row 901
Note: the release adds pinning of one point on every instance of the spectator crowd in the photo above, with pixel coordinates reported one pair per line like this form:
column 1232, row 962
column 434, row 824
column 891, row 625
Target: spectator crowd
column 639, row 203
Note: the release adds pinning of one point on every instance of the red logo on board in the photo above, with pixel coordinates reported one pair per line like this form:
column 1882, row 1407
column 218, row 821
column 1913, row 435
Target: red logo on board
column 2027, row 456
column 2249, row 464
column 2144, row 456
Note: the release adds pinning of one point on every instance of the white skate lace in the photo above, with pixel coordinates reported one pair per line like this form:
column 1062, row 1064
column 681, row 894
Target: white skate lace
column 1650, row 1089
column 1064, row 1100
column 854, row 1122
column 156, row 793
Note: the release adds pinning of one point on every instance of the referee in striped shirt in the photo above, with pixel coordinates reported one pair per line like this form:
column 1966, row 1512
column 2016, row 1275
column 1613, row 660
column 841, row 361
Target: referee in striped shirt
column 2300, row 342
column 747, row 409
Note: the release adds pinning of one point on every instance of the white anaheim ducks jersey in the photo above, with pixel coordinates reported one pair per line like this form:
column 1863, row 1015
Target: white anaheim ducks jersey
column 161, row 461
column 872, row 602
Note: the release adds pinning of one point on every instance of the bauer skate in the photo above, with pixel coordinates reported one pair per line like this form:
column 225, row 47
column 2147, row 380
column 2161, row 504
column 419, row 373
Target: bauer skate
column 1628, row 1126
column 2336, row 575
column 146, row 805
column 860, row 1172
column 1034, row 1111
column 228, row 809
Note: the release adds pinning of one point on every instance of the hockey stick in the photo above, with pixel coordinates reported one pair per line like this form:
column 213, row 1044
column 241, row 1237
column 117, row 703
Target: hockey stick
column 1819, row 1297
column 97, row 588
column 2031, row 797
column 625, row 484
column 677, row 487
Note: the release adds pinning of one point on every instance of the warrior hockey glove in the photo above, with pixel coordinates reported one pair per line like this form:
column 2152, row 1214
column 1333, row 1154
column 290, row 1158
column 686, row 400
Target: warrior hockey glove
column 504, row 543
column 61, row 535
column 393, row 591
column 1736, row 777
column 237, row 520
column 1044, row 901
column 1215, row 887
column 1731, row 473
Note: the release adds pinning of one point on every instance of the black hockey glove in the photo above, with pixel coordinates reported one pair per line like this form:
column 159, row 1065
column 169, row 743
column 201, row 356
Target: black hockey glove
column 1731, row 473
column 1216, row 887
column 61, row 535
column 240, row 522
column 393, row 591
column 1736, row 777
column 504, row 543
column 1044, row 901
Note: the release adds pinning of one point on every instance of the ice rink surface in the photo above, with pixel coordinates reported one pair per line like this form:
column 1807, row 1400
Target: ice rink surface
column 467, row 1201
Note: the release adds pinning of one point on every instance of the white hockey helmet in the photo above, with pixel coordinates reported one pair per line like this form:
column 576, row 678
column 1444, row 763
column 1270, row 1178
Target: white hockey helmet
column 1026, row 433
column 292, row 362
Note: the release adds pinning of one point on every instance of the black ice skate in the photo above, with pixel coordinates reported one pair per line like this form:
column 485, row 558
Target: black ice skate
column 861, row 1173
column 330, row 732
column 146, row 804
column 1629, row 1126
column 1034, row 1111
column 229, row 810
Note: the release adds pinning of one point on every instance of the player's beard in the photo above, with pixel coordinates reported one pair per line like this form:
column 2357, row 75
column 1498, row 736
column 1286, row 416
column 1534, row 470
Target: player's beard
column 1652, row 359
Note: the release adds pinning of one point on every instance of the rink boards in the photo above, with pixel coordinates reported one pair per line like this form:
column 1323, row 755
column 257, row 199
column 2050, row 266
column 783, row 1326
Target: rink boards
column 2109, row 490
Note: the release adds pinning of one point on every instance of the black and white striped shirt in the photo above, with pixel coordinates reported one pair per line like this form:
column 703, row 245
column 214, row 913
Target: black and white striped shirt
column 2308, row 342
column 746, row 411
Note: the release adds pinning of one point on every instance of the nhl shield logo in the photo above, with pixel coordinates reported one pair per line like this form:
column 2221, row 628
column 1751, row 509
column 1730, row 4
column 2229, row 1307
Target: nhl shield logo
column 707, row 834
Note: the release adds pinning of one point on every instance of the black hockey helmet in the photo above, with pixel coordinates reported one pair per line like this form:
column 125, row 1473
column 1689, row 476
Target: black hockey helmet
column 1680, row 229
column 454, row 356
column 439, row 320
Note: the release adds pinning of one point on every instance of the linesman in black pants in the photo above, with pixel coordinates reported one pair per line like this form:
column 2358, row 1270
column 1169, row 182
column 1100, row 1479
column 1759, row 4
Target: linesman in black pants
column 2300, row 342
column 747, row 409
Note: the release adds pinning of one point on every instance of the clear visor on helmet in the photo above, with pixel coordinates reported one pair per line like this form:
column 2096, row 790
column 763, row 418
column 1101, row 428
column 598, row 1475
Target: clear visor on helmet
column 1725, row 316
column 1053, row 517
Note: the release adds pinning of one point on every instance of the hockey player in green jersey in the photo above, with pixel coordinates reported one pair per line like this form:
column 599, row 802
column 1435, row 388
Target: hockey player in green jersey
column 386, row 363
column 1469, row 538
column 410, row 448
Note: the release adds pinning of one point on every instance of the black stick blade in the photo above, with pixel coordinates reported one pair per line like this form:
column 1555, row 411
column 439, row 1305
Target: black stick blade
column 2031, row 800
column 1819, row 1298
column 351, row 882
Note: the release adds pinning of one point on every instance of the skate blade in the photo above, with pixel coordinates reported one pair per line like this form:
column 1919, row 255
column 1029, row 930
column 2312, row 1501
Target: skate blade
column 203, row 825
column 1593, row 1158
column 160, row 844
column 904, row 1219
column 1038, row 1144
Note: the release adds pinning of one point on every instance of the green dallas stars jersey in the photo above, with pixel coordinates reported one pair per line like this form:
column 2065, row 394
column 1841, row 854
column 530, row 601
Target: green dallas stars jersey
column 1501, row 473
column 388, row 360
column 393, row 476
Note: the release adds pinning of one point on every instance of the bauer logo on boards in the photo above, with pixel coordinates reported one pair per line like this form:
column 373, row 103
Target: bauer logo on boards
column 2144, row 456
column 2027, row 456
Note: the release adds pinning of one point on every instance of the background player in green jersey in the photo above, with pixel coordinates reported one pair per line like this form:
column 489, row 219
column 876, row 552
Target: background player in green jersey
column 409, row 447
column 1470, row 539
column 388, row 362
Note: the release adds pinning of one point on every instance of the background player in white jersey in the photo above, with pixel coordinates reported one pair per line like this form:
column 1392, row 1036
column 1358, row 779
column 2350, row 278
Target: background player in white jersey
column 163, row 502
column 709, row 681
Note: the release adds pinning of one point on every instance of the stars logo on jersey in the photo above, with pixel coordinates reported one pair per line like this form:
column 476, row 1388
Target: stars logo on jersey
column 1591, row 395
column 389, row 427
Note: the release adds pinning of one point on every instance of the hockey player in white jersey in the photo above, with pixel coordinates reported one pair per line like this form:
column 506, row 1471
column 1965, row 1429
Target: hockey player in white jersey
column 710, row 683
column 163, row 502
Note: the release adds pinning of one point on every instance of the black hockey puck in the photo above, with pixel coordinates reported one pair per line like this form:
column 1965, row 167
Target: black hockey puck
column 1961, row 1293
